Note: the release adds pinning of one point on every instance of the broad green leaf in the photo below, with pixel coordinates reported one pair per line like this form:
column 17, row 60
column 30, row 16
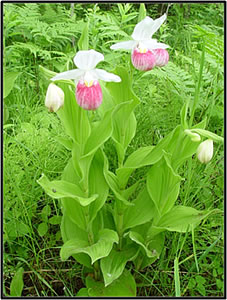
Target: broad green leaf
column 140, row 240
column 183, row 148
column 122, row 91
column 63, row 189
column 122, row 141
column 69, row 231
column 73, row 209
column 113, row 265
column 113, row 183
column 83, row 43
column 46, row 210
column 96, row 251
column 17, row 284
column 99, row 134
column 142, row 211
column 42, row 228
column 124, row 120
column 66, row 142
column 97, row 184
column 129, row 191
column 8, row 82
column 83, row 292
column 55, row 220
column 73, row 117
column 124, row 286
column 163, row 185
column 107, row 101
column 155, row 246
column 17, row 228
column 142, row 157
column 181, row 218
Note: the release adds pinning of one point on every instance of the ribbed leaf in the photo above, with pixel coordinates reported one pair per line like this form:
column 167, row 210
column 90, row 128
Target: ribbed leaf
column 113, row 265
column 96, row 251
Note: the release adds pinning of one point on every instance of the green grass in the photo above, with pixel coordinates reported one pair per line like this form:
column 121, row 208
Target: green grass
column 30, row 149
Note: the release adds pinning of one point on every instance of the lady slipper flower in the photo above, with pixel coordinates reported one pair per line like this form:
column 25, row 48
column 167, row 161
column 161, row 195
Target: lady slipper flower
column 205, row 151
column 88, row 89
column 54, row 98
column 146, row 52
column 161, row 57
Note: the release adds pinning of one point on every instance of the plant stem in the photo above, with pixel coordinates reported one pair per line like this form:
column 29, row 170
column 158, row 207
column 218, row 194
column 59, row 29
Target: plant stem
column 196, row 97
column 120, row 208
column 120, row 229
column 139, row 262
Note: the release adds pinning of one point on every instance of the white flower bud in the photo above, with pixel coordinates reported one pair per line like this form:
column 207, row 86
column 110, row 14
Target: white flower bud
column 205, row 151
column 54, row 97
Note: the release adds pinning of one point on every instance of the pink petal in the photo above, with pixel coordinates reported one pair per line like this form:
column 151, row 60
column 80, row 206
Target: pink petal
column 89, row 98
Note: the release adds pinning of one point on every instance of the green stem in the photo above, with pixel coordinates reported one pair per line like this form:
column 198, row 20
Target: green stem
column 139, row 261
column 97, row 270
column 120, row 229
column 189, row 179
column 120, row 208
column 197, row 91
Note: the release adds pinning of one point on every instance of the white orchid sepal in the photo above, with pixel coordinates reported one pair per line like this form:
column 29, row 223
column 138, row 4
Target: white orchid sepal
column 142, row 34
column 86, row 62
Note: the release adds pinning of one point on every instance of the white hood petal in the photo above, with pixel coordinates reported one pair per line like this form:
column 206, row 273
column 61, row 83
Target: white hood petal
column 72, row 74
column 152, row 44
column 143, row 29
column 147, row 27
column 106, row 76
column 87, row 60
column 157, row 24
column 128, row 45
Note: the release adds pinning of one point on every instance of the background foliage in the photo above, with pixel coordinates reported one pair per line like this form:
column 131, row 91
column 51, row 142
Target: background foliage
column 47, row 34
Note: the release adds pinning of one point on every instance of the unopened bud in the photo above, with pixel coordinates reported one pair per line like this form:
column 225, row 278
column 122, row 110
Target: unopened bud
column 205, row 151
column 195, row 137
column 54, row 98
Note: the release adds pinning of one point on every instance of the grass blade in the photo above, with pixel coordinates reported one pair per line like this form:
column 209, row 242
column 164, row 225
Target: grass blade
column 177, row 278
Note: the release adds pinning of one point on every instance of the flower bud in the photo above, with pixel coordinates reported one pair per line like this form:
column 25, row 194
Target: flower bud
column 54, row 98
column 161, row 57
column 205, row 151
column 143, row 60
column 195, row 137
column 89, row 94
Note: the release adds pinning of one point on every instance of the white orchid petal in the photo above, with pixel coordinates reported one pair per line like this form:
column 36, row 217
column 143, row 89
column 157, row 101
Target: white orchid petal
column 128, row 45
column 147, row 27
column 106, row 76
column 157, row 24
column 152, row 44
column 143, row 29
column 72, row 74
column 88, row 59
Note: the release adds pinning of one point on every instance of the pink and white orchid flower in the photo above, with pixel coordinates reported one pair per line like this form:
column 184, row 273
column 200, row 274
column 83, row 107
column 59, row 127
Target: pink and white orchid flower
column 88, row 90
column 146, row 52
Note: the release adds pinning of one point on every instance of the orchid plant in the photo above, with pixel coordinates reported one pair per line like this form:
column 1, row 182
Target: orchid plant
column 106, row 221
